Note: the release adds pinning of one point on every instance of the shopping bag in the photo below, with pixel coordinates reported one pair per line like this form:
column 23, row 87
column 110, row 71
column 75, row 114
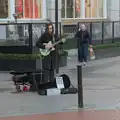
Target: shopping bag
column 92, row 54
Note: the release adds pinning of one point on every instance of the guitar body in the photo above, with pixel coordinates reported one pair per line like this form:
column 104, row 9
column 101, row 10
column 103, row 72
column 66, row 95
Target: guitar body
column 46, row 52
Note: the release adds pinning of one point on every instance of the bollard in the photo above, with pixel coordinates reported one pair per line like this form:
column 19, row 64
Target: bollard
column 56, row 33
column 80, row 88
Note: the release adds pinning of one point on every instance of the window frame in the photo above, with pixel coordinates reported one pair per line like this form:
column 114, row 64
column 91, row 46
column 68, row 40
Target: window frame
column 82, row 6
column 4, row 19
column 11, row 11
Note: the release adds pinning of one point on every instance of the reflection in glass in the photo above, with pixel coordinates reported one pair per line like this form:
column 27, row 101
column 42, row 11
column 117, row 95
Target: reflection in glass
column 16, row 37
column 107, row 30
column 37, row 30
column 87, row 8
column 63, row 9
column 77, row 8
column 94, row 8
column 116, row 29
column 101, row 9
column 69, row 8
column 96, row 31
column 19, row 8
column 3, row 8
column 28, row 8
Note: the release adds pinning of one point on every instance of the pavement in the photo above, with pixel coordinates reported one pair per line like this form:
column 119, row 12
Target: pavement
column 101, row 94
column 110, row 52
column 83, row 115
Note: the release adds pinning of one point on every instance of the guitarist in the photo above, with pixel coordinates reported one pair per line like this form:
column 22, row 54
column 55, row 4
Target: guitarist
column 48, row 63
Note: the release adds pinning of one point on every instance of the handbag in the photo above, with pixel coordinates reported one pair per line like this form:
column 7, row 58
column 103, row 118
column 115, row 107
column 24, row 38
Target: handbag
column 92, row 54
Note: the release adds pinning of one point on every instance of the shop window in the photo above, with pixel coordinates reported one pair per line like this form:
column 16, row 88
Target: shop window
column 28, row 8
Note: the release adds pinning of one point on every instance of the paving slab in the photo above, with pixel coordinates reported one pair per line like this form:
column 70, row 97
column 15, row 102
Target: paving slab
column 79, row 115
column 101, row 90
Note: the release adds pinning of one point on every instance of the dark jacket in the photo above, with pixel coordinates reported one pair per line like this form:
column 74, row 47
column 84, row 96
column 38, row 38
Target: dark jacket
column 83, row 37
column 49, row 61
column 45, row 38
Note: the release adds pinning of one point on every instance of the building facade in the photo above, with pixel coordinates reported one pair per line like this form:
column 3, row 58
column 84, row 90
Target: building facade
column 84, row 9
column 26, row 10
column 113, row 10
column 69, row 10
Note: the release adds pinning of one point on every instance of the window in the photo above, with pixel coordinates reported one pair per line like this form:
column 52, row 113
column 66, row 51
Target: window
column 77, row 8
column 28, row 8
column 63, row 9
column 4, row 8
column 70, row 8
column 94, row 8
column 83, row 8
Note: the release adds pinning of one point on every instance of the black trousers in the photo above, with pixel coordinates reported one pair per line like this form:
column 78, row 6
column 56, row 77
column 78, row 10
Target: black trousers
column 48, row 65
column 48, row 76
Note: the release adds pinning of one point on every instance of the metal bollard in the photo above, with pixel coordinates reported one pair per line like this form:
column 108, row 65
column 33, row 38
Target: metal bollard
column 80, row 87
column 56, row 33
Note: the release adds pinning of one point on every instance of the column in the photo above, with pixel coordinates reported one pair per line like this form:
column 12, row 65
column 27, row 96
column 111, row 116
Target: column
column 44, row 9
column 82, row 8
column 113, row 15
column 51, row 10
column 105, row 8
column 12, row 9
column 113, row 9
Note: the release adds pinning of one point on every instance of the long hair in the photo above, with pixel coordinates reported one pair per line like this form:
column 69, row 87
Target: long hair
column 47, row 26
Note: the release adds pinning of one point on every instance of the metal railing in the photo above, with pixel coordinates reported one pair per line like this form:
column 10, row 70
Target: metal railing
column 101, row 32
column 25, row 35
column 21, row 35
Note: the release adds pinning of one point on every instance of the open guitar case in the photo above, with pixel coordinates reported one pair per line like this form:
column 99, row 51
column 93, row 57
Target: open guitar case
column 68, row 87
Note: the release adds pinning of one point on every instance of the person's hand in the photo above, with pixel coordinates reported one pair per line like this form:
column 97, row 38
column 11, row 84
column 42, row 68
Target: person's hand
column 49, row 46
column 90, row 46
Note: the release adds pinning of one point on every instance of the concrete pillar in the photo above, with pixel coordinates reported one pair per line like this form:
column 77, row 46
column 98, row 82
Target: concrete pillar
column 51, row 10
column 114, row 15
column 113, row 10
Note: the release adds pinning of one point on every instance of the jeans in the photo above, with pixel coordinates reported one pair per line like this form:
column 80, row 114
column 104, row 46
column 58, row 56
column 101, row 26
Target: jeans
column 83, row 53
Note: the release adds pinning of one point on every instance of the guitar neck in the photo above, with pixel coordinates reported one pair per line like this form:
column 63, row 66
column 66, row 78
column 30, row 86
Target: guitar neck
column 57, row 42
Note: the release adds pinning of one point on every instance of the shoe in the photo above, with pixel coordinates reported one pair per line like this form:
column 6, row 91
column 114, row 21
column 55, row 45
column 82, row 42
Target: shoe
column 80, row 63
column 84, row 63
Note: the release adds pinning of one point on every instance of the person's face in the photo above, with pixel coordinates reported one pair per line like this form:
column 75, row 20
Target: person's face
column 50, row 29
column 83, row 27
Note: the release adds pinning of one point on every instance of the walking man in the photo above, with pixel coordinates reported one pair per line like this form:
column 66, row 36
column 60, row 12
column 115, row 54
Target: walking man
column 83, row 42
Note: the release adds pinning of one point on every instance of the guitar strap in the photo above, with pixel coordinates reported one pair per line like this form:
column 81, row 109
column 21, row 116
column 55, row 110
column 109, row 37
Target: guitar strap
column 53, row 38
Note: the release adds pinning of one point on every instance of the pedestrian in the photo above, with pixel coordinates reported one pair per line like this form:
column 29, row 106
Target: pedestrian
column 83, row 42
column 49, row 61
